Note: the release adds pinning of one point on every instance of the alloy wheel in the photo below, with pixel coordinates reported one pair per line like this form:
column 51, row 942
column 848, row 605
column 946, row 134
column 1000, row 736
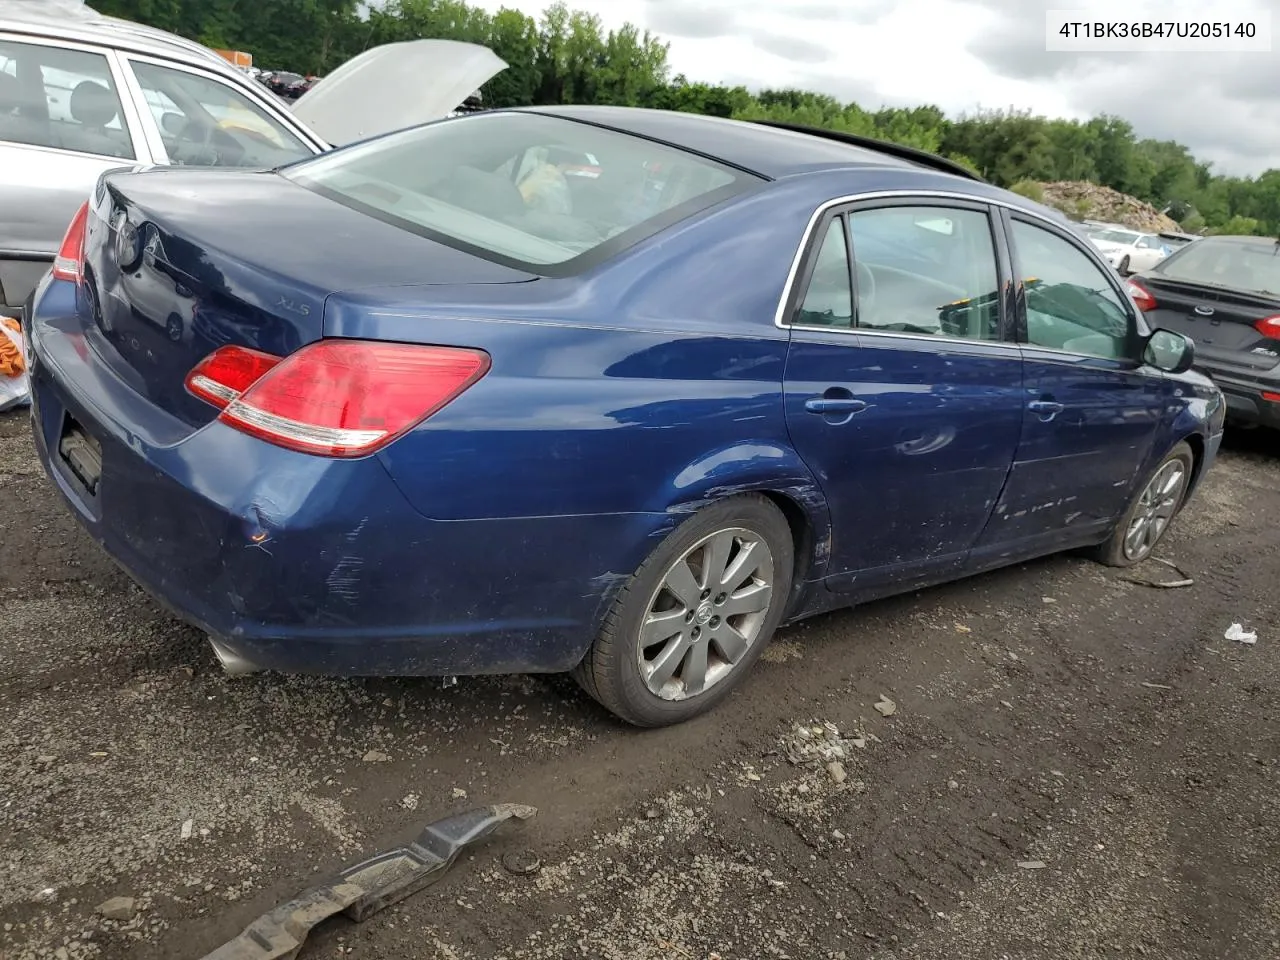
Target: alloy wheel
column 707, row 612
column 1156, row 507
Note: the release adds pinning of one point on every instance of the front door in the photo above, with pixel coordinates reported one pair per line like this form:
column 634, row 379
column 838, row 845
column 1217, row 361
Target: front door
column 903, row 393
column 1091, row 408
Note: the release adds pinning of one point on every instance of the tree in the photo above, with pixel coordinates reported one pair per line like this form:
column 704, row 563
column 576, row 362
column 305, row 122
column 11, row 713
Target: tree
column 566, row 56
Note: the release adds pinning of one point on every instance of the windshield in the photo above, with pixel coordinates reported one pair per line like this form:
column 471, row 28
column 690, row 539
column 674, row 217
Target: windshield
column 1227, row 263
column 527, row 189
column 1118, row 236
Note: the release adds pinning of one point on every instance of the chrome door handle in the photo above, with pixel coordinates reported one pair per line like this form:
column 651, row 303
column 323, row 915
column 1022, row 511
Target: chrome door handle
column 1046, row 409
column 835, row 405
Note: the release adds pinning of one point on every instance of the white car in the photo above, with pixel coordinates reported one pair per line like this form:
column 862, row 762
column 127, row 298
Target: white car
column 82, row 93
column 1130, row 251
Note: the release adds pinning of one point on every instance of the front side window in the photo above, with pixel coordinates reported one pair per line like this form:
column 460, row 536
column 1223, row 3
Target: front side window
column 1071, row 305
column 205, row 122
column 828, row 301
column 926, row 270
column 65, row 99
column 528, row 189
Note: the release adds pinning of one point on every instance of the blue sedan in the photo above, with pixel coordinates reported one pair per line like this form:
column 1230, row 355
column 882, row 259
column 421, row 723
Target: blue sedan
column 446, row 402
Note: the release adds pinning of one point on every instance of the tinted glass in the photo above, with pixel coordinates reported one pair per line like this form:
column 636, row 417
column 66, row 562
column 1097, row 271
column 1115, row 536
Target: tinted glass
column 1118, row 236
column 51, row 97
column 520, row 187
column 828, row 302
column 204, row 122
column 928, row 270
column 1070, row 303
column 1228, row 263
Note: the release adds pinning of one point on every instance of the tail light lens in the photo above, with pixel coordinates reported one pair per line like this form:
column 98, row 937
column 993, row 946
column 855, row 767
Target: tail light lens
column 69, row 263
column 228, row 372
column 1269, row 327
column 1141, row 296
column 335, row 398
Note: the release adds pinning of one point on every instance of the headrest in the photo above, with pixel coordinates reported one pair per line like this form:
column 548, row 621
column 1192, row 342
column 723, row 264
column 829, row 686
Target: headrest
column 93, row 104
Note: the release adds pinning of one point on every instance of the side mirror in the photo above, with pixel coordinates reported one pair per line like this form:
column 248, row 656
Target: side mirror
column 172, row 123
column 1170, row 352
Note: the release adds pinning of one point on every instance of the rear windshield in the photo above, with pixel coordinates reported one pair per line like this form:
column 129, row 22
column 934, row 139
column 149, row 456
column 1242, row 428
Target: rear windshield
column 1240, row 266
column 542, row 193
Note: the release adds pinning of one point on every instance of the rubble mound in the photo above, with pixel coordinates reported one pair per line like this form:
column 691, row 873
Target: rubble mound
column 1082, row 200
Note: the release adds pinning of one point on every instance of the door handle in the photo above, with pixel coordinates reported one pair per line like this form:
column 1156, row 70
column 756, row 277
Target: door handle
column 835, row 405
column 1047, row 409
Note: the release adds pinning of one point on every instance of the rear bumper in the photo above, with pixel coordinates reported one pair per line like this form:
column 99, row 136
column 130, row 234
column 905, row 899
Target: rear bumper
column 1245, row 398
column 306, row 565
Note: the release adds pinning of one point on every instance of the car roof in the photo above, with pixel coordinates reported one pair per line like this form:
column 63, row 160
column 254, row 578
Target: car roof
column 77, row 23
column 763, row 149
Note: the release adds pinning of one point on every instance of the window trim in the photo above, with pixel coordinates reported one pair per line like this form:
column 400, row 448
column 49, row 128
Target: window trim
column 797, row 280
column 258, row 98
column 810, row 264
column 130, row 119
column 1133, row 360
column 785, row 299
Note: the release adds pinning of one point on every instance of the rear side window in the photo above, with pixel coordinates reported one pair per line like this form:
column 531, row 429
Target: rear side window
column 926, row 270
column 65, row 99
column 534, row 191
column 1071, row 305
column 205, row 122
column 828, row 301
column 1241, row 265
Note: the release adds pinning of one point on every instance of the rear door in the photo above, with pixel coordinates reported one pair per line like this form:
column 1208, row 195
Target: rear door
column 1090, row 409
column 908, row 409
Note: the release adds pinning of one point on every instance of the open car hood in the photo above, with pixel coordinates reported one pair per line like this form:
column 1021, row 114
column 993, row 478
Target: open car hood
column 394, row 86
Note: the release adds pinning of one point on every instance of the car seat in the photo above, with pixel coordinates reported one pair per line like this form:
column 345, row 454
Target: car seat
column 19, row 121
column 93, row 106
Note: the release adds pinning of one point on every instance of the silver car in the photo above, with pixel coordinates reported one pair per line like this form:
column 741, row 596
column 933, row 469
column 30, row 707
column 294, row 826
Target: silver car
column 81, row 93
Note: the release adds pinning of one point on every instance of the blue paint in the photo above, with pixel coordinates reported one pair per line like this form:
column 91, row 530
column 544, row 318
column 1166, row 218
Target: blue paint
column 494, row 536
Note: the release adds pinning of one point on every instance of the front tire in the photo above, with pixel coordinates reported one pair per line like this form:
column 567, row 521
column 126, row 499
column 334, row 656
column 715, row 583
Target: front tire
column 1149, row 516
column 695, row 616
column 1124, row 266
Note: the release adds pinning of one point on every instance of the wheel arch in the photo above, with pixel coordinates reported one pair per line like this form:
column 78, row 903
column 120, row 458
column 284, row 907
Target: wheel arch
column 775, row 472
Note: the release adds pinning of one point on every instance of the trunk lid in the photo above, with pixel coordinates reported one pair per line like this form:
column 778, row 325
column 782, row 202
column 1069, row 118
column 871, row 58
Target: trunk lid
column 1220, row 321
column 179, row 263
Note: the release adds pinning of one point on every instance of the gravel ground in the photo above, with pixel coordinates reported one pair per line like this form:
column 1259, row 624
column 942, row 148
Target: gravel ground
column 1075, row 766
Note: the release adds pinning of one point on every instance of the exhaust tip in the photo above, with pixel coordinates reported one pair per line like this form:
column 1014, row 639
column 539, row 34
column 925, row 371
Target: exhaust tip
column 233, row 664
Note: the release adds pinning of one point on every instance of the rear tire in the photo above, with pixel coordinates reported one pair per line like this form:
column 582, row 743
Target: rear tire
column 695, row 616
column 1158, row 502
column 1124, row 266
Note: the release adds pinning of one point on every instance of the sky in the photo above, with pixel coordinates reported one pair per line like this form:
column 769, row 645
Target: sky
column 965, row 55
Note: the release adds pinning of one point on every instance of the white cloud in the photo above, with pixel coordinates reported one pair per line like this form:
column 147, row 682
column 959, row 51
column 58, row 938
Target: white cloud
column 967, row 54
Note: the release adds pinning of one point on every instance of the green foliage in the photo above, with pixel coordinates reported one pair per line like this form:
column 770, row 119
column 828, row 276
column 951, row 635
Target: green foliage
column 1029, row 189
column 1236, row 226
column 566, row 56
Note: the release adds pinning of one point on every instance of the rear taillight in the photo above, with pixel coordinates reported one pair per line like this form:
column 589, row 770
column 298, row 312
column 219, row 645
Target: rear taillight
column 1269, row 327
column 228, row 372
column 1141, row 296
column 335, row 398
column 69, row 263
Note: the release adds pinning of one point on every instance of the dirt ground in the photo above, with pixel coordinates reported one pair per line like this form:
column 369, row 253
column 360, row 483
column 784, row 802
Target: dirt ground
column 1078, row 766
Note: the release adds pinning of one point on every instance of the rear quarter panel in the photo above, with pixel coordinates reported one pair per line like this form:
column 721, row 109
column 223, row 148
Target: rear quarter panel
column 650, row 385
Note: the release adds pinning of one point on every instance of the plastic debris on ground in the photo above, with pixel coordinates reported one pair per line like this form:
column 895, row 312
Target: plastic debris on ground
column 1237, row 632
column 15, row 386
column 1184, row 581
